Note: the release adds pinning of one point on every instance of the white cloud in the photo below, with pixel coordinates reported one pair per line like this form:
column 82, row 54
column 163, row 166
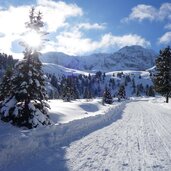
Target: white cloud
column 88, row 26
column 125, row 40
column 165, row 39
column 12, row 19
column 74, row 43
column 165, row 11
column 6, row 45
column 168, row 26
column 147, row 12
column 142, row 12
column 56, row 13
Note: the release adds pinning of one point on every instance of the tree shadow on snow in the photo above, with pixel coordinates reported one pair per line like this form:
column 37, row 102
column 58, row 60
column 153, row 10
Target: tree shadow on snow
column 63, row 135
column 89, row 107
column 46, row 147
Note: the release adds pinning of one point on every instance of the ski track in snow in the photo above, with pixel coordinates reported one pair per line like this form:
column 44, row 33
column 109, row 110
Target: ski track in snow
column 138, row 141
column 132, row 136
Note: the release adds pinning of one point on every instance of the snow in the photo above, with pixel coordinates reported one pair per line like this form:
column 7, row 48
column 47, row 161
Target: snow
column 132, row 135
column 9, row 105
column 59, row 70
column 63, row 112
column 37, row 83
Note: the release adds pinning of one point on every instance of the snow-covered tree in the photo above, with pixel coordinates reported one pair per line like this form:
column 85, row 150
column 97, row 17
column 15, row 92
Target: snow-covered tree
column 26, row 103
column 121, row 92
column 67, row 90
column 162, row 78
column 107, row 97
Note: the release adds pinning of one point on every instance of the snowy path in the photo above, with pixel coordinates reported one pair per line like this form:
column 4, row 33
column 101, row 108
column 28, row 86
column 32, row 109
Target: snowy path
column 131, row 136
column 140, row 140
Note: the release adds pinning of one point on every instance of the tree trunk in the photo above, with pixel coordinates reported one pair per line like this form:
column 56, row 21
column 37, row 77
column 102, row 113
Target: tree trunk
column 167, row 98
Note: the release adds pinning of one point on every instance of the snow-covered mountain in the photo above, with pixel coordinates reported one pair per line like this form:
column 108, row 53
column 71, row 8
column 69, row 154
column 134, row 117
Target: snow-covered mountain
column 127, row 58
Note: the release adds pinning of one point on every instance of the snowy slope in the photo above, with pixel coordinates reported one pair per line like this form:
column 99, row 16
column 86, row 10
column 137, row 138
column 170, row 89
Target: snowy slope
column 63, row 112
column 127, row 58
column 59, row 70
column 133, row 135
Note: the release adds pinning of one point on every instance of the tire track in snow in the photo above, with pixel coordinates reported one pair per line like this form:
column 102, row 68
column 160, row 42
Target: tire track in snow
column 33, row 145
column 163, row 138
column 138, row 141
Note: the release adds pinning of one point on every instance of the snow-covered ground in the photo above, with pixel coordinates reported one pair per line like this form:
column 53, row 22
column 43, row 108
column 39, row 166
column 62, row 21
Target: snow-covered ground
column 132, row 135
column 63, row 112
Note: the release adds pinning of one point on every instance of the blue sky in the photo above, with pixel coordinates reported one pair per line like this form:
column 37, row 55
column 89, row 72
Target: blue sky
column 79, row 27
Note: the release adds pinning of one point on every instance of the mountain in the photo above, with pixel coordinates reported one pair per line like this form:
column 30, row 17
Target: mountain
column 128, row 58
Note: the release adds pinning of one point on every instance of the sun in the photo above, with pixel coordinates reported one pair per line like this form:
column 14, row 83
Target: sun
column 32, row 39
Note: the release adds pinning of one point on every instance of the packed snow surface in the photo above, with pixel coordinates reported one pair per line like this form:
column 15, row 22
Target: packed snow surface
column 131, row 135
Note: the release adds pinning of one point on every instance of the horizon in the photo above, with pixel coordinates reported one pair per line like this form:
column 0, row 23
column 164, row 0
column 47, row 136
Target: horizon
column 83, row 28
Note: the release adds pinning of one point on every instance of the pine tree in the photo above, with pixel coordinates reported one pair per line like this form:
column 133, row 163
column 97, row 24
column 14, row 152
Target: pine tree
column 151, row 91
column 26, row 105
column 121, row 92
column 162, row 78
column 107, row 97
column 138, row 90
column 87, row 93
column 67, row 90
column 5, row 84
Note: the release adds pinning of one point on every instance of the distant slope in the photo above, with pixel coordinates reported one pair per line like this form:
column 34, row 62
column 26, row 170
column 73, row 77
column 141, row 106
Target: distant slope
column 59, row 70
column 127, row 58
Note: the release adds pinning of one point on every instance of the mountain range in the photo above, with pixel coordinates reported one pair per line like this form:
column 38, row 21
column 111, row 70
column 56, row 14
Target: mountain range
column 128, row 58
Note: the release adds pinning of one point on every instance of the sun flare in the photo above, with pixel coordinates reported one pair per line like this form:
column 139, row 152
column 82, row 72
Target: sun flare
column 32, row 39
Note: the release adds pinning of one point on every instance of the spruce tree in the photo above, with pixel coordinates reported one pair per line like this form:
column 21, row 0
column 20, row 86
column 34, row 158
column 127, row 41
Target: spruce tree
column 162, row 77
column 121, row 92
column 107, row 97
column 67, row 90
column 26, row 104
column 151, row 91
column 87, row 93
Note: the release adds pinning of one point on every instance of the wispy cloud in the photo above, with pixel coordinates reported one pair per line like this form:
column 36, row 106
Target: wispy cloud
column 164, row 11
column 124, row 40
column 56, row 13
column 168, row 26
column 75, row 43
column 88, row 26
column 147, row 12
column 165, row 39
column 142, row 12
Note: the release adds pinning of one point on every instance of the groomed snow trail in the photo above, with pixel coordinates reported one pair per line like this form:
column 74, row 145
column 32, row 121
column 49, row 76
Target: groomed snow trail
column 140, row 140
